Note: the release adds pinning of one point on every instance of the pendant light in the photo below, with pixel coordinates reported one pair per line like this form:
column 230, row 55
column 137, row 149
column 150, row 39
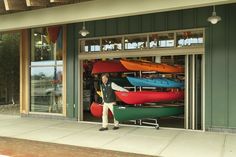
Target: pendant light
column 214, row 19
column 83, row 31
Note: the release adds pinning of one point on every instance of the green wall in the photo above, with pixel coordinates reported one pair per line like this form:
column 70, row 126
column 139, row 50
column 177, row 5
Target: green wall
column 220, row 53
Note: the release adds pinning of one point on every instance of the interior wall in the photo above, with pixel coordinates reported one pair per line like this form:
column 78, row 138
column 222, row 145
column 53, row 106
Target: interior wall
column 220, row 53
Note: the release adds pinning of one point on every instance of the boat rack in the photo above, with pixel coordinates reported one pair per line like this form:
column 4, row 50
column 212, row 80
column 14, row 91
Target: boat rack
column 144, row 121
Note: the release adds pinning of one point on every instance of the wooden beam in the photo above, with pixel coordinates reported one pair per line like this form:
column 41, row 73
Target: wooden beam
column 12, row 5
column 37, row 3
column 2, row 7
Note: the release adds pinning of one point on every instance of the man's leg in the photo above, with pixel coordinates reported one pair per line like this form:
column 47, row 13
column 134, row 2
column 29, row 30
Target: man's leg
column 105, row 115
column 116, row 123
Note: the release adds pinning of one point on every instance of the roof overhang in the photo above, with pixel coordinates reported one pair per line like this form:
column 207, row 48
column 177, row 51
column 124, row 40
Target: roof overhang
column 95, row 10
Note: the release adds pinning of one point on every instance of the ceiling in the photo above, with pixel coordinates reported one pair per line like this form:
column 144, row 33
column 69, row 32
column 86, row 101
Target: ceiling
column 23, row 14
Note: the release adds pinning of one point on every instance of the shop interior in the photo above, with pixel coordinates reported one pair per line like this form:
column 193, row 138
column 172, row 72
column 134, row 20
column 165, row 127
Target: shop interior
column 92, row 81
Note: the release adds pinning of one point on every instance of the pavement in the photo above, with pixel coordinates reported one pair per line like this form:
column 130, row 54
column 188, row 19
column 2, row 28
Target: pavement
column 130, row 139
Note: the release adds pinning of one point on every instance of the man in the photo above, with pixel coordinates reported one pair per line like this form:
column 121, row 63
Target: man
column 109, row 99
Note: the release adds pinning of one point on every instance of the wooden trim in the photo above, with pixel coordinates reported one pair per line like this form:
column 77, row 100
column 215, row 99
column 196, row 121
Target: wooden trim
column 143, row 53
column 64, row 69
column 24, row 71
column 14, row 5
column 37, row 3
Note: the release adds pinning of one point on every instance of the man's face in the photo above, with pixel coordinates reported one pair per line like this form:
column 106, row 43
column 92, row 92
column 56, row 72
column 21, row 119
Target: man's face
column 104, row 79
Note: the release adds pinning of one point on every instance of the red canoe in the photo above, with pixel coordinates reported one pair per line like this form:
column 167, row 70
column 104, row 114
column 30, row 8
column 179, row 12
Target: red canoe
column 96, row 110
column 108, row 66
column 142, row 97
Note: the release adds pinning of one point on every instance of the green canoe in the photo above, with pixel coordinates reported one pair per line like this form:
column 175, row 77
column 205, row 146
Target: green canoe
column 124, row 113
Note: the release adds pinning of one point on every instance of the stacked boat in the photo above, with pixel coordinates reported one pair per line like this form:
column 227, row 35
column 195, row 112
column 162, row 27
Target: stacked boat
column 166, row 90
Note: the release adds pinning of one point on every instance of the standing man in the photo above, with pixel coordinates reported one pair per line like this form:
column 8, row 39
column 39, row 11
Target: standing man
column 109, row 99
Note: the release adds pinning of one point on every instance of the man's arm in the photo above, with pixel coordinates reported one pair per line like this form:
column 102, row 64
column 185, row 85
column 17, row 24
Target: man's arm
column 118, row 88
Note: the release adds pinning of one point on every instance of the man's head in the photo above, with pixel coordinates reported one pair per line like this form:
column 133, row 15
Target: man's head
column 105, row 78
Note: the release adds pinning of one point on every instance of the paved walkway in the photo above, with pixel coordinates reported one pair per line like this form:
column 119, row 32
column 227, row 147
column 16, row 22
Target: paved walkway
column 149, row 141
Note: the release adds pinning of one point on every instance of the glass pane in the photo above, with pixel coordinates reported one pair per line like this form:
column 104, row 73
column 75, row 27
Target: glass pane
column 112, row 44
column 90, row 45
column 46, row 44
column 46, row 89
column 161, row 40
column 189, row 38
column 135, row 42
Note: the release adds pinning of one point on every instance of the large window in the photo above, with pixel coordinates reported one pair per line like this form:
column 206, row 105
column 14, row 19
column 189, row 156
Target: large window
column 46, row 70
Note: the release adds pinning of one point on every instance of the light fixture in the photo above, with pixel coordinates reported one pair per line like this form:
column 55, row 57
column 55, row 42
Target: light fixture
column 83, row 31
column 214, row 18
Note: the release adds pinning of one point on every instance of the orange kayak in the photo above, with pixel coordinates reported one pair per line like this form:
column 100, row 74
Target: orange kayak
column 138, row 65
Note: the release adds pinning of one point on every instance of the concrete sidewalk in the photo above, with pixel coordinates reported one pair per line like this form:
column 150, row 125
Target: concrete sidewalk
column 149, row 141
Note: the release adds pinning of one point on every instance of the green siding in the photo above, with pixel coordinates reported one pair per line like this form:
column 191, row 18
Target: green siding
column 160, row 22
column 189, row 18
column 208, row 77
column 231, row 67
column 201, row 16
column 219, row 72
column 89, row 26
column 135, row 24
column 100, row 28
column 174, row 20
column 111, row 27
column 70, row 75
column 147, row 23
column 220, row 52
column 122, row 25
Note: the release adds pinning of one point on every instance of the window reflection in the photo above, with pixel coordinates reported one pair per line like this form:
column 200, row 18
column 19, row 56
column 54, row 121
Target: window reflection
column 189, row 38
column 90, row 45
column 161, row 40
column 46, row 70
column 112, row 44
column 46, row 89
column 135, row 42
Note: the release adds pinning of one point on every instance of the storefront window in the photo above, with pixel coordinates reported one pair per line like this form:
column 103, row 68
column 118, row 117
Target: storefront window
column 112, row 44
column 189, row 38
column 135, row 42
column 90, row 45
column 161, row 40
column 46, row 70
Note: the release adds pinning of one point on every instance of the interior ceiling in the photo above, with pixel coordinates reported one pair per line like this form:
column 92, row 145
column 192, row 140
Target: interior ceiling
column 14, row 6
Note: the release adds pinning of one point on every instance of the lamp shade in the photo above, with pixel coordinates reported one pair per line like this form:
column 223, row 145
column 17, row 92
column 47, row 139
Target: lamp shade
column 214, row 19
column 83, row 31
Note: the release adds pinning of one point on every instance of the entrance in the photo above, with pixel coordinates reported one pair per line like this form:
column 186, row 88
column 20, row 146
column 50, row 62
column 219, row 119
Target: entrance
column 163, row 71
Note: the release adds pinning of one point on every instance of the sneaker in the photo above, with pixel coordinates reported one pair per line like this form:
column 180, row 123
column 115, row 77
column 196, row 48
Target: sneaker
column 103, row 129
column 115, row 127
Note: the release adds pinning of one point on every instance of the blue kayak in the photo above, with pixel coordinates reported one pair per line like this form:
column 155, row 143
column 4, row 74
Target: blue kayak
column 155, row 82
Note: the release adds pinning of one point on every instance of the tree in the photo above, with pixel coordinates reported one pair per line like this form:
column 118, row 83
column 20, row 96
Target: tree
column 9, row 66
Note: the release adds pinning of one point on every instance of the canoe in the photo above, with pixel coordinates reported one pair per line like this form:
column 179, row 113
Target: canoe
column 138, row 65
column 122, row 113
column 121, row 81
column 96, row 110
column 108, row 66
column 155, row 82
column 141, row 97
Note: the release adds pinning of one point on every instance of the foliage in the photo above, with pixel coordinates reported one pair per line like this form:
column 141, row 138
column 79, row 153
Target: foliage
column 9, row 66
